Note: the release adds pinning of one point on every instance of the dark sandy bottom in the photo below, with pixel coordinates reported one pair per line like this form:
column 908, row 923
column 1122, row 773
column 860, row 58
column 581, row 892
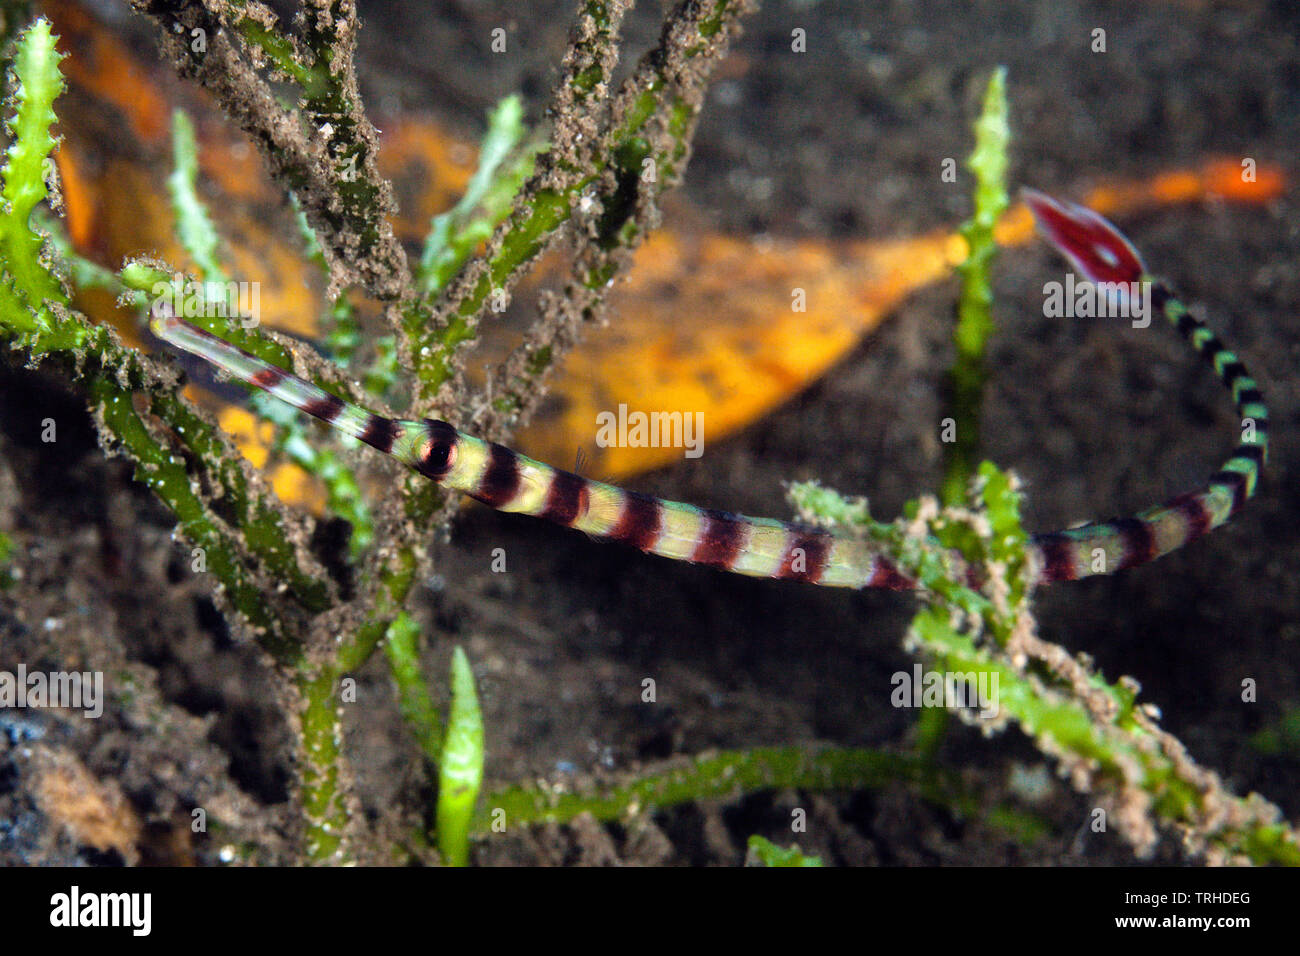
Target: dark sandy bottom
column 844, row 140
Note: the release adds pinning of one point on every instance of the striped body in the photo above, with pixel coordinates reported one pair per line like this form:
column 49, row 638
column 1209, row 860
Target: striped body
column 508, row 481
column 764, row 547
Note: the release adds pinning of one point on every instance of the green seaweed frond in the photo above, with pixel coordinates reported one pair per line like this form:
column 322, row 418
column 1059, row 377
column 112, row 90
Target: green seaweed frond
column 988, row 162
column 28, row 169
column 504, row 165
column 194, row 225
column 461, row 768
column 402, row 646
column 7, row 575
column 767, row 853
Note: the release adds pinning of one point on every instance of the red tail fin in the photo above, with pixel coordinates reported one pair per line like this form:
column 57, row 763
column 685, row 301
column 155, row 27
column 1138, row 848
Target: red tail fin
column 1095, row 247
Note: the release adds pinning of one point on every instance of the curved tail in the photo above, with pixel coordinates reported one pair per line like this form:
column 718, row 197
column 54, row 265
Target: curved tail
column 1098, row 250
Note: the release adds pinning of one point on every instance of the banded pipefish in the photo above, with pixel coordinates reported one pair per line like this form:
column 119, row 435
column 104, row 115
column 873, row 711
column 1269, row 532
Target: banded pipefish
column 765, row 547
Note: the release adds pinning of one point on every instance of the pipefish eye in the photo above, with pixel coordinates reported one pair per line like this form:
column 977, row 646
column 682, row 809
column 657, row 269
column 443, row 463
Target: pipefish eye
column 438, row 451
